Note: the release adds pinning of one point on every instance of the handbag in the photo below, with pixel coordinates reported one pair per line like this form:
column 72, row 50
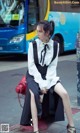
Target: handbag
column 22, row 86
column 21, row 89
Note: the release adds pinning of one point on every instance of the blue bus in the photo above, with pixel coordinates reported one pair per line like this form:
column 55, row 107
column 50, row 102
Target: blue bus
column 19, row 17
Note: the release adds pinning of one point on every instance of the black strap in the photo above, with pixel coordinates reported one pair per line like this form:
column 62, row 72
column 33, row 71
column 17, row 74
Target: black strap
column 35, row 53
column 55, row 45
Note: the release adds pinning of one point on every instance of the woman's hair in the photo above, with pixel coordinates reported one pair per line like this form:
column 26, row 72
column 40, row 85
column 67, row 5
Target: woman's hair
column 47, row 26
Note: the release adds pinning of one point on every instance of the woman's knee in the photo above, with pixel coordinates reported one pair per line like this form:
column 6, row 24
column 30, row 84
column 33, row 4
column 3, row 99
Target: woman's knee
column 65, row 95
column 61, row 91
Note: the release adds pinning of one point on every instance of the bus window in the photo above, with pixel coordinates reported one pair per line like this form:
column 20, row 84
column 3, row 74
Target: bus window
column 33, row 14
column 36, row 12
column 43, row 8
column 11, row 13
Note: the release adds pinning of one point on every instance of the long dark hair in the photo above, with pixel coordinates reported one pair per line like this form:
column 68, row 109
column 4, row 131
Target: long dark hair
column 47, row 26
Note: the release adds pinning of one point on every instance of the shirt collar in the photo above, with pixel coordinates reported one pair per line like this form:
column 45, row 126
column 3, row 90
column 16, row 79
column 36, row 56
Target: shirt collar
column 48, row 43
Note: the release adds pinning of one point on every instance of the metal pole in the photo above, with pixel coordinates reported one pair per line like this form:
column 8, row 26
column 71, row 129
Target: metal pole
column 78, row 68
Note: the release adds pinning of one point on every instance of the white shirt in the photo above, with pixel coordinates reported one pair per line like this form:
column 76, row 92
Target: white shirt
column 51, row 75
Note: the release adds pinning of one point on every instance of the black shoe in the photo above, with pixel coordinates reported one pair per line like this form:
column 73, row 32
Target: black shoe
column 71, row 129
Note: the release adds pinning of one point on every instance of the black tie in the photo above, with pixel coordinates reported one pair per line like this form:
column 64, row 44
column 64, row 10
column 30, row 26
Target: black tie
column 43, row 53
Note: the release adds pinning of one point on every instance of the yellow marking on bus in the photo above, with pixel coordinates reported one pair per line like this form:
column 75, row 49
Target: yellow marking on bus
column 31, row 35
column 62, row 19
column 15, row 17
column 48, row 9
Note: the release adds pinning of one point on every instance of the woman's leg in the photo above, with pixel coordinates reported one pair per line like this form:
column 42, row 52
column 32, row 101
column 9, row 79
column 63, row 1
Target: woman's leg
column 59, row 89
column 34, row 112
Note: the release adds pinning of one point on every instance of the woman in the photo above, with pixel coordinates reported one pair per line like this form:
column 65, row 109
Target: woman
column 42, row 81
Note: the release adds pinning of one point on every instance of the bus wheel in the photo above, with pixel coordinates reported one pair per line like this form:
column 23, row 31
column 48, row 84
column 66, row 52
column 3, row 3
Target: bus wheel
column 60, row 40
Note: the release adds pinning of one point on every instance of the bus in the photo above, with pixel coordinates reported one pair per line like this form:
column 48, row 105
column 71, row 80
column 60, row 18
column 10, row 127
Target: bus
column 19, row 17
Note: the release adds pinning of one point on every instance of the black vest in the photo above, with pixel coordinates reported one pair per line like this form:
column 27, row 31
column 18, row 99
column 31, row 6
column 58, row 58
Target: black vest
column 43, row 69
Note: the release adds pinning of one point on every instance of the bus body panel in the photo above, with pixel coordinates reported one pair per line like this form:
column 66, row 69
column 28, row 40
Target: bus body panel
column 8, row 34
column 66, row 24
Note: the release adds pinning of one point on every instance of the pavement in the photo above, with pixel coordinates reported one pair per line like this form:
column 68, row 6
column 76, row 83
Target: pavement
column 56, row 127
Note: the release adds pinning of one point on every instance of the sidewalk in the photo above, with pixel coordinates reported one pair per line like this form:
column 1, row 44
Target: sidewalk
column 57, row 127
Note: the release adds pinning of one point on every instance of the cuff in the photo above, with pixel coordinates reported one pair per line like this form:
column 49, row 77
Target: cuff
column 44, row 84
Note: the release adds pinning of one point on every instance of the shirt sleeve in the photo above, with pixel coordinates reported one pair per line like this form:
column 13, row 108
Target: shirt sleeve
column 51, row 71
column 33, row 69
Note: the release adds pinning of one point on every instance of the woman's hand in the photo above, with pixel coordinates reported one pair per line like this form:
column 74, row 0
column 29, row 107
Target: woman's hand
column 44, row 91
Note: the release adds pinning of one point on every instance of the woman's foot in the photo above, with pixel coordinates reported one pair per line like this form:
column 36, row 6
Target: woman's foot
column 71, row 129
